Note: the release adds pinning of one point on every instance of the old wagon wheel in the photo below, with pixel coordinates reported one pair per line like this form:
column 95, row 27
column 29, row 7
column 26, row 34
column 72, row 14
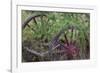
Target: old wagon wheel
column 33, row 17
column 33, row 23
column 66, row 40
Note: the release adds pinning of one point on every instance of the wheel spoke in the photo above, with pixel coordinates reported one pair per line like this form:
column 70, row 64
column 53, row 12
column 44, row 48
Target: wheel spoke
column 66, row 39
column 34, row 20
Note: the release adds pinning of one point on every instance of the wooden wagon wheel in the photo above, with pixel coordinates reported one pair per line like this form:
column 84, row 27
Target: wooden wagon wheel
column 33, row 17
column 66, row 43
column 31, row 23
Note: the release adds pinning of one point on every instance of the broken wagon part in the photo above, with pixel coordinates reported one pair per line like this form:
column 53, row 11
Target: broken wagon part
column 42, row 54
